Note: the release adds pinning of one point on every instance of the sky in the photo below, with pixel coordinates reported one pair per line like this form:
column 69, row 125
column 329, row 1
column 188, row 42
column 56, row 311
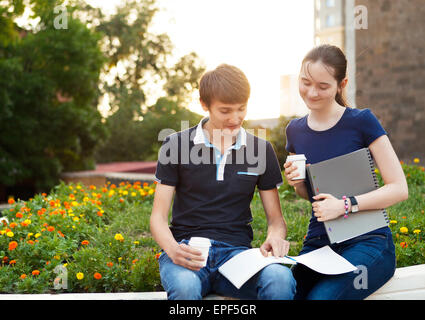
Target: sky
column 265, row 39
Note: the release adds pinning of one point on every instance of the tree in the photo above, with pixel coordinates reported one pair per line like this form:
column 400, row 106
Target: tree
column 139, row 59
column 48, row 96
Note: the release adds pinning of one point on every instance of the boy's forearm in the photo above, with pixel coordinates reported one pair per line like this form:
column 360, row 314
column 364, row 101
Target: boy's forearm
column 162, row 233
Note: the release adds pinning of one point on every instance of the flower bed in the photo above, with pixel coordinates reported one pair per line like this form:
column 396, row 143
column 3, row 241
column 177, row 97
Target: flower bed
column 80, row 239
column 85, row 239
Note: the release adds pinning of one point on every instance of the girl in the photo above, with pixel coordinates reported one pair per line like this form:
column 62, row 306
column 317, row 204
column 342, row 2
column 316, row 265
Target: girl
column 329, row 130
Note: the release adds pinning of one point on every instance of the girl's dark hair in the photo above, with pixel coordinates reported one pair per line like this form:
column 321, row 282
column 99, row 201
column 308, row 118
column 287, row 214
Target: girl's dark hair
column 333, row 57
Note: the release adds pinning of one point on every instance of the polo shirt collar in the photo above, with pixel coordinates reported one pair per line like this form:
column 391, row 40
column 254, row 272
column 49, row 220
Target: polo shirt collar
column 201, row 138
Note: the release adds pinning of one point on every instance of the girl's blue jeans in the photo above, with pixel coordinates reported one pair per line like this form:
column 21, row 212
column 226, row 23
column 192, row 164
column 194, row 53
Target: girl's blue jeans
column 373, row 254
column 274, row 282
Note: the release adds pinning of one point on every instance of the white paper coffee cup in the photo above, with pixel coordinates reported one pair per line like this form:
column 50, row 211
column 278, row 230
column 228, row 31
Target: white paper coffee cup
column 203, row 245
column 299, row 161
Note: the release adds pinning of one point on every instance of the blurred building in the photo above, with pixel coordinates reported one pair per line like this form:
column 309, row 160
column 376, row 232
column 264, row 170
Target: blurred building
column 291, row 103
column 329, row 22
column 383, row 41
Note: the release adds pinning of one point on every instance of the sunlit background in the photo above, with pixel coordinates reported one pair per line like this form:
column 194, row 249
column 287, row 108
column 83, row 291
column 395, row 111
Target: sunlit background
column 266, row 39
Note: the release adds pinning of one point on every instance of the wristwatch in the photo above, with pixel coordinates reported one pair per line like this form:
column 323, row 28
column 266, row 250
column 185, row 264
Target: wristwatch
column 354, row 204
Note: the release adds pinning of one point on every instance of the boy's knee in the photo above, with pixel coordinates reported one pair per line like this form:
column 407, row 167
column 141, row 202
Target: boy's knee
column 277, row 283
column 186, row 286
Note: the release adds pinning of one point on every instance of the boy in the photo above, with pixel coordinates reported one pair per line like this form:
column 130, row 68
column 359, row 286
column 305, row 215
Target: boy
column 213, row 169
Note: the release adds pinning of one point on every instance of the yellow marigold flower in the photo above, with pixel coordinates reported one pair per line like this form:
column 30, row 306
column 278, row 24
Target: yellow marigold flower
column 133, row 194
column 27, row 221
column 119, row 237
column 416, row 160
column 76, row 219
column 111, row 192
column 119, row 259
column 10, row 234
column 151, row 191
column 37, row 235
column 125, row 192
column 416, row 231
column 404, row 230
column 136, row 242
column 80, row 276
column 393, row 221
column 376, row 171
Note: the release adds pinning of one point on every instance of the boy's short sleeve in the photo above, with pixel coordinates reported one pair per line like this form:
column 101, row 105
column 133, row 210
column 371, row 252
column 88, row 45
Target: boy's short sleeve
column 371, row 127
column 167, row 165
column 272, row 176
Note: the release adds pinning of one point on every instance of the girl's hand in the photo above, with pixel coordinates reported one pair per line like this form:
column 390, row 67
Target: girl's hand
column 290, row 173
column 327, row 207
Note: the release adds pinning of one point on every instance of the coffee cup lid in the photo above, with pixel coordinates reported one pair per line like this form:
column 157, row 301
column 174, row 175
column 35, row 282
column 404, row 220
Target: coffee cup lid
column 296, row 157
column 199, row 241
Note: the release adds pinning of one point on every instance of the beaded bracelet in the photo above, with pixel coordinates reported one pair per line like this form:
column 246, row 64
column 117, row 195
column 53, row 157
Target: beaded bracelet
column 345, row 206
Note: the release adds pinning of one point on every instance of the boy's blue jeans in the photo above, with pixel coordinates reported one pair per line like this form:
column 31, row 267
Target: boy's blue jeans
column 274, row 282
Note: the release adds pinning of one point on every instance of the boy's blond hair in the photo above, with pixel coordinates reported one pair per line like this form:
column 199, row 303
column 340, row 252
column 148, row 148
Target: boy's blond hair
column 226, row 84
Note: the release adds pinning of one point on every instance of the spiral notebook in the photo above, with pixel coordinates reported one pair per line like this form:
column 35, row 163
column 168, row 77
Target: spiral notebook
column 351, row 174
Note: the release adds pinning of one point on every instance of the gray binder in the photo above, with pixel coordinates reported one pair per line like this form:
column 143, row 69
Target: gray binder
column 351, row 174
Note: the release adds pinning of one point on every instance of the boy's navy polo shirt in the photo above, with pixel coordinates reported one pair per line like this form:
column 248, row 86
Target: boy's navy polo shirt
column 214, row 191
column 356, row 129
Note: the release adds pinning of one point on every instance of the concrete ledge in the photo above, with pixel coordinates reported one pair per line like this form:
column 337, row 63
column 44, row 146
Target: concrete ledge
column 88, row 296
column 408, row 283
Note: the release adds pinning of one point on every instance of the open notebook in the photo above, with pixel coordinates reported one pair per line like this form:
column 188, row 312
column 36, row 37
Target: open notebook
column 351, row 174
column 244, row 265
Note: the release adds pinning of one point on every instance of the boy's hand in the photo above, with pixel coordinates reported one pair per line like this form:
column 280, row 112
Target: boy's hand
column 186, row 256
column 276, row 246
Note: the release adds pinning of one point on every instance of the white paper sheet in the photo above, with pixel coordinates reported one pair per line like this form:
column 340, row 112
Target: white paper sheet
column 243, row 266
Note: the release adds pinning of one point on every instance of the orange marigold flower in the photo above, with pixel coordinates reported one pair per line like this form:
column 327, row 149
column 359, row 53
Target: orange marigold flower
column 97, row 276
column 19, row 215
column 109, row 264
column 99, row 213
column 12, row 262
column 10, row 201
column 403, row 244
column 30, row 242
column 50, row 228
column 23, row 276
column 52, row 203
column 12, row 245
column 61, row 234
column 134, row 261
column 13, row 225
column 121, row 200
column 85, row 242
column 35, row 272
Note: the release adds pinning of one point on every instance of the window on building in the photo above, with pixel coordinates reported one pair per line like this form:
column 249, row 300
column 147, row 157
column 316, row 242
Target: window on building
column 330, row 3
column 330, row 20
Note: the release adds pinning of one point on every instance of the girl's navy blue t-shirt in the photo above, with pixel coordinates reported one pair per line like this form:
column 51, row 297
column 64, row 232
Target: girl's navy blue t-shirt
column 356, row 129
